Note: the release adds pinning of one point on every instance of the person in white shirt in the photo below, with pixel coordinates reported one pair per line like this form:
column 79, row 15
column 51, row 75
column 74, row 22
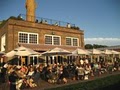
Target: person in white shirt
column 81, row 62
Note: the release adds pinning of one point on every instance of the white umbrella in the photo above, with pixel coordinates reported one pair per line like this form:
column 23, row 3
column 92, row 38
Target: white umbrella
column 56, row 51
column 21, row 51
column 115, row 52
column 96, row 51
column 81, row 52
column 10, row 54
column 108, row 52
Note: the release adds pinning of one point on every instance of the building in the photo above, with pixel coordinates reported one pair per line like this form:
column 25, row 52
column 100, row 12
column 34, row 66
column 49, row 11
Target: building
column 40, row 34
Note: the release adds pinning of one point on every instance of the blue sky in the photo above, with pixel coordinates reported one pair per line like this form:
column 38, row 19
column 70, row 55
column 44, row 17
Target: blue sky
column 100, row 19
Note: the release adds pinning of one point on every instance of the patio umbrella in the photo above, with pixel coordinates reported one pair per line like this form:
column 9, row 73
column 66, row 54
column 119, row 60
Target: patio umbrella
column 81, row 52
column 10, row 54
column 21, row 51
column 108, row 52
column 78, row 52
column 56, row 51
column 96, row 51
column 115, row 52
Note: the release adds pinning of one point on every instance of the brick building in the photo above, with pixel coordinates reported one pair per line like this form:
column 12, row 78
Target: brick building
column 39, row 34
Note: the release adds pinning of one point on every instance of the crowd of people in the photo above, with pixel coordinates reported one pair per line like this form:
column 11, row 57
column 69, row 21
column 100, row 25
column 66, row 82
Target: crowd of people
column 28, row 76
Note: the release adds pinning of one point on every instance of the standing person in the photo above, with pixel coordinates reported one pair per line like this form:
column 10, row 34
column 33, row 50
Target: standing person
column 4, row 73
column 110, row 67
column 12, row 79
column 80, row 72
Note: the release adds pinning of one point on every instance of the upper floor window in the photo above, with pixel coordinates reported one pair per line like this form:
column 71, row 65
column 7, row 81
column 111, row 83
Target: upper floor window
column 33, row 38
column 52, row 39
column 25, row 37
column 56, row 40
column 48, row 39
column 75, row 42
column 72, row 41
column 68, row 41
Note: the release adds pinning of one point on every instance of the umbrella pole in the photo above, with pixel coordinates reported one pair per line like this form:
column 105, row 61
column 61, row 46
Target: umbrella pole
column 57, row 66
column 18, row 60
column 33, row 60
column 91, row 58
column 98, row 58
column 28, row 62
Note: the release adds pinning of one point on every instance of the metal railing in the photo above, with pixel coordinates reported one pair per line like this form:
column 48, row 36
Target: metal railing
column 50, row 22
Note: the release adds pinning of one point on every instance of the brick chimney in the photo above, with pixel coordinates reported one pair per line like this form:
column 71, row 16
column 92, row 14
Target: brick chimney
column 30, row 10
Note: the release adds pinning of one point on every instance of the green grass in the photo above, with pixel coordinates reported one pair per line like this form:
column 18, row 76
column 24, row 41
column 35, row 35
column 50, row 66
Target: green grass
column 97, row 84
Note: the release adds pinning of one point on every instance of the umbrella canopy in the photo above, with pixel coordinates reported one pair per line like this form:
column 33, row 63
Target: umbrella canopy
column 21, row 51
column 10, row 54
column 115, row 52
column 107, row 51
column 56, row 51
column 81, row 52
column 96, row 51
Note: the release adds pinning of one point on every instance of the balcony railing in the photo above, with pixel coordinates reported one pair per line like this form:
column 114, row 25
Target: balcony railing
column 50, row 22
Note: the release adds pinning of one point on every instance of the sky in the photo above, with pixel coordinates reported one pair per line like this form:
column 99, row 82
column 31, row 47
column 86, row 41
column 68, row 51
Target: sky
column 100, row 19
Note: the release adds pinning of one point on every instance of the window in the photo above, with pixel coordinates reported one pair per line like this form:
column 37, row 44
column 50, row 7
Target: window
column 52, row 39
column 56, row 40
column 25, row 37
column 75, row 42
column 68, row 41
column 48, row 39
column 32, row 38
column 71, row 41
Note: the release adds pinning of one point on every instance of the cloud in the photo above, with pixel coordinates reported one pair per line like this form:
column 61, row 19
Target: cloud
column 103, row 41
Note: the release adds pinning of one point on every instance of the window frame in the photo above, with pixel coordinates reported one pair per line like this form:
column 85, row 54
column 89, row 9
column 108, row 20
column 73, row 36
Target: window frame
column 28, row 35
column 72, row 38
column 52, row 39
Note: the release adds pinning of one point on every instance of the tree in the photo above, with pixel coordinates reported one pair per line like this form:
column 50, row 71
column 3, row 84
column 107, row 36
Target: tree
column 88, row 46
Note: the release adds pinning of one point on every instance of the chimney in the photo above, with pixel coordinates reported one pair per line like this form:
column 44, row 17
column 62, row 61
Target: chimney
column 30, row 10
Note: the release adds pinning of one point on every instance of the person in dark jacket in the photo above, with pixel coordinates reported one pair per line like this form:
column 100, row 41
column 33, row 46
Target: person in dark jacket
column 3, row 74
column 12, row 79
